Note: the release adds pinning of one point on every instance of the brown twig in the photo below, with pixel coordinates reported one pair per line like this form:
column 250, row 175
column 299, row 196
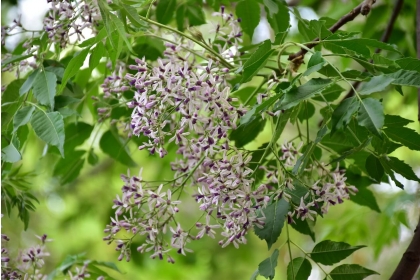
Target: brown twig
column 410, row 260
column 363, row 8
column 384, row 38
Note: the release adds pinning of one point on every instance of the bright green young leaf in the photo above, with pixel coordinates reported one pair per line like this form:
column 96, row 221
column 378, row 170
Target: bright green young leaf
column 267, row 267
column 97, row 53
column 328, row 252
column 112, row 145
column 316, row 62
column 44, row 88
column 275, row 214
column 391, row 121
column 256, row 61
column 303, row 92
column 342, row 115
column 165, row 11
column 10, row 154
column 409, row 63
column 351, row 272
column 374, row 168
column 371, row 115
column 249, row 13
column 73, row 67
column 27, row 85
column 68, row 168
column 22, row 117
column 376, row 84
column 50, row 128
column 299, row 269
column 405, row 136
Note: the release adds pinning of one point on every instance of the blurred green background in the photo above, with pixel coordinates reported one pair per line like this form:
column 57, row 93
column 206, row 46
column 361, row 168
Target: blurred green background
column 74, row 215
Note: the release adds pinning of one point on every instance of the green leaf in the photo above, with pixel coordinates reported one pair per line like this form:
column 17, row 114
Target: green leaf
column 10, row 154
column 77, row 134
column 112, row 145
column 50, row 128
column 400, row 167
column 195, row 14
column 92, row 157
column 14, row 58
column 307, row 110
column 133, row 15
column 299, row 269
column 384, row 161
column 409, row 63
column 44, row 88
column 275, row 214
column 316, row 62
column 391, row 121
column 405, row 136
column 360, row 45
column 342, row 115
column 303, row 92
column 350, row 272
column 73, row 67
column 278, row 16
column 371, row 115
column 165, row 10
column 249, row 13
column 68, row 168
column 27, row 85
column 94, row 40
column 97, row 53
column 328, row 252
column 64, row 100
column 384, row 146
column 405, row 78
column 148, row 47
column 267, row 267
column 180, row 17
column 22, row 117
column 245, row 134
column 304, row 227
column 364, row 196
column 109, row 265
column 256, row 111
column 376, row 84
column 374, row 168
column 119, row 26
column 256, row 61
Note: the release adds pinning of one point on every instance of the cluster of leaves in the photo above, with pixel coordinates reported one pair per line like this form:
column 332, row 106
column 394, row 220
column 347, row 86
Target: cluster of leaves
column 355, row 131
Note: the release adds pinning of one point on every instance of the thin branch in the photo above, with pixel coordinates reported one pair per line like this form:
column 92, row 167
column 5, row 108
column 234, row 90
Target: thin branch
column 363, row 8
column 410, row 260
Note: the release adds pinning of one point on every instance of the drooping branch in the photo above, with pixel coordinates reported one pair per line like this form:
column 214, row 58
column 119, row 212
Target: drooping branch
column 410, row 260
column 363, row 8
column 384, row 38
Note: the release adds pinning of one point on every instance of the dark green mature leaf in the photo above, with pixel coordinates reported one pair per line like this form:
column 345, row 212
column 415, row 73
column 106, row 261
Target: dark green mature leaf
column 92, row 157
column 50, row 128
column 10, row 154
column 278, row 16
column 97, row 53
column 249, row 13
column 245, row 134
column 44, row 88
column 112, row 145
column 384, row 145
column 22, row 117
column 315, row 63
column 256, row 61
column 374, row 168
column 256, row 111
column 76, row 135
column 400, row 167
column 195, row 14
column 371, row 115
column 14, row 58
column 267, row 267
column 405, row 136
column 299, row 269
column 133, row 16
column 68, row 168
column 360, row 45
column 307, row 110
column 405, row 78
column 149, row 47
column 409, row 63
column 328, row 252
column 298, row 94
column 384, row 161
column 275, row 214
column 331, row 93
column 351, row 272
column 376, row 84
column 342, row 115
column 304, row 227
column 364, row 196
column 165, row 11
column 27, row 85
column 74, row 67
column 10, row 103
column 391, row 121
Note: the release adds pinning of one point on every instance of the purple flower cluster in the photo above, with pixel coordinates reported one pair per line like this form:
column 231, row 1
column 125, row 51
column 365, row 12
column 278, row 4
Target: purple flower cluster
column 66, row 18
